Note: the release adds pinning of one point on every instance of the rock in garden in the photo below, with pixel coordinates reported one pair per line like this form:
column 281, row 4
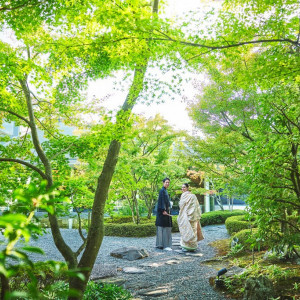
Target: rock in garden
column 258, row 288
column 154, row 293
column 133, row 270
column 103, row 271
column 129, row 253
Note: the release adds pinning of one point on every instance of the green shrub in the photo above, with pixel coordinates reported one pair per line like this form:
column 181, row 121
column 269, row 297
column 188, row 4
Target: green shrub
column 98, row 290
column 118, row 219
column 219, row 217
column 58, row 290
column 46, row 272
column 235, row 224
column 145, row 228
column 130, row 230
column 245, row 238
column 175, row 227
column 127, row 219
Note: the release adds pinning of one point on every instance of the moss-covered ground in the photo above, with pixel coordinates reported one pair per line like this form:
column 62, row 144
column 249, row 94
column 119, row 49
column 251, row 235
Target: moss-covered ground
column 284, row 274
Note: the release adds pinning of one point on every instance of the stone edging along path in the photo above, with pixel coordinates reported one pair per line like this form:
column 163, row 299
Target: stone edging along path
column 162, row 275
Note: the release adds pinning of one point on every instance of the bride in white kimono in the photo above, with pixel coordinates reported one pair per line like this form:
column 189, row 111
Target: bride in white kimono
column 189, row 220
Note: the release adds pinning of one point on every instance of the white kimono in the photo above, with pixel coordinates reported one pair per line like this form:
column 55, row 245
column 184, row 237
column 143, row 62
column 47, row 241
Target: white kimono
column 189, row 221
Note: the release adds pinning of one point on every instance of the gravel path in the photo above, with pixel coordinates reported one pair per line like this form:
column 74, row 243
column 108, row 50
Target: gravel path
column 171, row 274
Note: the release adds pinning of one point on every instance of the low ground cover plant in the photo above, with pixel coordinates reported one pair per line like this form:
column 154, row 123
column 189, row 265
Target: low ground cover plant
column 51, row 283
column 284, row 274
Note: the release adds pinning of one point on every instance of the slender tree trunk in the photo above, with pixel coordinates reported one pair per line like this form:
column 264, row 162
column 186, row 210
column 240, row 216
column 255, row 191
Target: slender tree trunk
column 149, row 215
column 96, row 232
column 136, row 206
column 217, row 196
column 132, row 214
column 4, row 286
column 63, row 248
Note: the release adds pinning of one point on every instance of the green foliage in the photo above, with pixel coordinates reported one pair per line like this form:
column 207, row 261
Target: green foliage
column 218, row 217
column 249, row 239
column 98, row 290
column 46, row 274
column 236, row 249
column 130, row 229
column 237, row 223
column 147, row 151
column 127, row 219
column 52, row 284
column 123, row 226
column 280, row 276
column 17, row 226
column 249, row 112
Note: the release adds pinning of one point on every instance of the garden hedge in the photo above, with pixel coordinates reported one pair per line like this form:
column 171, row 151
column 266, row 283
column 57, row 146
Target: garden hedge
column 245, row 238
column 145, row 228
column 114, row 227
column 219, row 216
column 235, row 224
column 123, row 226
column 129, row 230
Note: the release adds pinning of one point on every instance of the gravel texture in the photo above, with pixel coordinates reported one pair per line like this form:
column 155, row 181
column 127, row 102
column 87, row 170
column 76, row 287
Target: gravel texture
column 176, row 275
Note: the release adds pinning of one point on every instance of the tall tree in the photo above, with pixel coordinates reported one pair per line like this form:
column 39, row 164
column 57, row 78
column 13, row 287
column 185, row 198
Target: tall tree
column 146, row 158
column 46, row 82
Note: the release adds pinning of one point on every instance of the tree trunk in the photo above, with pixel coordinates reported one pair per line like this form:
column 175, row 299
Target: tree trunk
column 136, row 206
column 96, row 232
column 89, row 220
column 217, row 196
column 149, row 215
column 132, row 214
column 4, row 286
column 63, row 248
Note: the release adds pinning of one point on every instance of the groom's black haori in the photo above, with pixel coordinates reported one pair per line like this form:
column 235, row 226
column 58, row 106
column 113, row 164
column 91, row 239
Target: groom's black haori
column 163, row 219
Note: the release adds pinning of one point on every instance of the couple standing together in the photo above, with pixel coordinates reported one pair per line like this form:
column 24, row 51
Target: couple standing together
column 188, row 219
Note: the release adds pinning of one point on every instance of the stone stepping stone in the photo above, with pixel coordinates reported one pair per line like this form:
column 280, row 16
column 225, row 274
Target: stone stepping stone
column 130, row 253
column 103, row 271
column 172, row 262
column 133, row 270
column 154, row 293
column 182, row 258
column 194, row 254
column 176, row 244
column 151, row 265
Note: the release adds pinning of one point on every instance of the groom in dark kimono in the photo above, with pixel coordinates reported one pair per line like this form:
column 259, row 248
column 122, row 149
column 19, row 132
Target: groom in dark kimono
column 163, row 219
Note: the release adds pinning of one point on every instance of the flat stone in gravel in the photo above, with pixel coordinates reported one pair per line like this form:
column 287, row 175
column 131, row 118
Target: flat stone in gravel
column 194, row 254
column 172, row 262
column 152, row 265
column 130, row 253
column 133, row 270
column 103, row 271
column 154, row 293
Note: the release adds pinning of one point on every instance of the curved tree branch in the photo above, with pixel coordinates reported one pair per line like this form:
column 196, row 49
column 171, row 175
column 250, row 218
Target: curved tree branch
column 27, row 164
column 16, row 115
column 26, row 3
column 168, row 38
